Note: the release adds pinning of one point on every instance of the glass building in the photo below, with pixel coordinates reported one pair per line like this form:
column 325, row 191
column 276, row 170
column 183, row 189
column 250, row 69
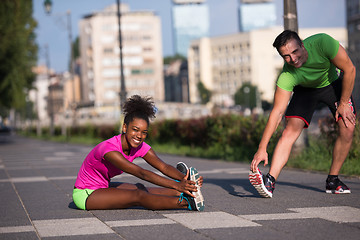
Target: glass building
column 190, row 21
column 255, row 14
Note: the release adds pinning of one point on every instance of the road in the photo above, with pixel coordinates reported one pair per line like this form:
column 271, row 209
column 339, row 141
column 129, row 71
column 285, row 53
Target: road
column 37, row 178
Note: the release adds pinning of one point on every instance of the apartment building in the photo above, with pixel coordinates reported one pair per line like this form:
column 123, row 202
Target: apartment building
column 100, row 56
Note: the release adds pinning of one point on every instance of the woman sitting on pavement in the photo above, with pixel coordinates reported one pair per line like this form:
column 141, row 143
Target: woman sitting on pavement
column 114, row 156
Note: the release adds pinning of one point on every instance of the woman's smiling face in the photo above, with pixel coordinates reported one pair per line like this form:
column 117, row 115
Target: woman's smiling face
column 136, row 132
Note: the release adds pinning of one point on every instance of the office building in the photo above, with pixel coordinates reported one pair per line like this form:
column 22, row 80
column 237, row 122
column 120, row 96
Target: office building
column 256, row 14
column 190, row 20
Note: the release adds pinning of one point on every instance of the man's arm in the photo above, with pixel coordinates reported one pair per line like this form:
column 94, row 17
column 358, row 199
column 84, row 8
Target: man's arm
column 343, row 62
column 281, row 100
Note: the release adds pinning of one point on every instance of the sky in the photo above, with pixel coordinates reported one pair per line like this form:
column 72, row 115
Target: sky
column 52, row 31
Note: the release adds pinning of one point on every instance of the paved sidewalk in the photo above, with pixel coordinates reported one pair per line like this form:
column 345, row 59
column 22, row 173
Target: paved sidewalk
column 37, row 178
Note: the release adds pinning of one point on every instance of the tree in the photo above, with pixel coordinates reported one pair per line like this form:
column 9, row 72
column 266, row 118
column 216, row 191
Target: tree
column 246, row 96
column 205, row 94
column 76, row 48
column 18, row 53
column 169, row 59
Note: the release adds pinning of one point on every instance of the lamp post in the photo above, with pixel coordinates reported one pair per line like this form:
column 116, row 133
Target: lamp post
column 73, row 105
column 290, row 15
column 50, row 97
column 47, row 6
column 122, row 93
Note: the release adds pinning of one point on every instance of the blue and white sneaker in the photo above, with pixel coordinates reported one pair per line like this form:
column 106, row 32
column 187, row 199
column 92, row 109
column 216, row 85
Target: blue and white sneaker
column 197, row 202
column 199, row 199
column 192, row 206
column 182, row 167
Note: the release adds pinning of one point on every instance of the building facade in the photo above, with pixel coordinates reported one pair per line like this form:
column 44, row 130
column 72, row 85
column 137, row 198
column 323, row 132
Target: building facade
column 190, row 21
column 176, row 81
column 353, row 26
column 100, row 57
column 53, row 96
column 39, row 94
column 224, row 63
column 256, row 14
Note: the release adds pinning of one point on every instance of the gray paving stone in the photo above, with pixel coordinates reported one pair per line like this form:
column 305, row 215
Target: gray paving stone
column 11, row 210
column 19, row 236
column 44, row 173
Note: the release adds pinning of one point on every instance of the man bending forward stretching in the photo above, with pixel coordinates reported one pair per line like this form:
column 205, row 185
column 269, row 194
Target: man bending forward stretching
column 310, row 73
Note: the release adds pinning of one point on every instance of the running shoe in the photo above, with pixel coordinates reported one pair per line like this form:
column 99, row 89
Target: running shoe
column 193, row 176
column 182, row 167
column 199, row 199
column 190, row 201
column 265, row 185
column 336, row 186
column 192, row 205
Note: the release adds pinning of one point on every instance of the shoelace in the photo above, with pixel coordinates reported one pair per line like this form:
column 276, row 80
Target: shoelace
column 182, row 197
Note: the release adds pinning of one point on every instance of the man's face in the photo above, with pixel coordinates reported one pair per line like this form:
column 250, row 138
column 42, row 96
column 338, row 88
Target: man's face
column 293, row 53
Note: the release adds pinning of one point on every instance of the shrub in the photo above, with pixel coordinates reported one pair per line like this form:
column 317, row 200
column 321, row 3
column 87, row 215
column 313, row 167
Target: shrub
column 229, row 137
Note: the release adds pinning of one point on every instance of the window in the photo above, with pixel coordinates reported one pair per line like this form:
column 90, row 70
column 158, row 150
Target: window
column 135, row 71
column 108, row 50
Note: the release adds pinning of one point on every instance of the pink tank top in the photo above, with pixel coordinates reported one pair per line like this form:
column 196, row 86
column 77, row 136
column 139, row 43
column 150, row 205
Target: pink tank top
column 96, row 172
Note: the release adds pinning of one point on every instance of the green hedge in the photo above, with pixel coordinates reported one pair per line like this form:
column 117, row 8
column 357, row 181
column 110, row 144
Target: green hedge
column 229, row 137
column 101, row 132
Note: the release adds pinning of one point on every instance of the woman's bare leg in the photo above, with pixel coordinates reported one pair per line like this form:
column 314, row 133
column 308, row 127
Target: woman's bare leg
column 115, row 198
column 152, row 190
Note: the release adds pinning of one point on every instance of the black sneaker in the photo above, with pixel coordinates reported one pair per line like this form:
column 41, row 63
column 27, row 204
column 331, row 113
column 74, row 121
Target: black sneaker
column 336, row 186
column 265, row 185
column 183, row 168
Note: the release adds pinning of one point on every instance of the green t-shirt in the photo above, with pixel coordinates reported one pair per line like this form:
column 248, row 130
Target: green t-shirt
column 317, row 71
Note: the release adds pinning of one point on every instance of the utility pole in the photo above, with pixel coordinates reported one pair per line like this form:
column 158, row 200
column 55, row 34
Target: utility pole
column 50, row 101
column 291, row 23
column 122, row 93
column 290, row 15
column 72, row 73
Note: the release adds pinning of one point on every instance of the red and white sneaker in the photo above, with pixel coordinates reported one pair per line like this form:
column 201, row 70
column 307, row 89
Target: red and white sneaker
column 336, row 186
column 265, row 185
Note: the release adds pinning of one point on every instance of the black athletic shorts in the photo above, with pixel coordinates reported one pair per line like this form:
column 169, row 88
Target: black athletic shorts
column 305, row 100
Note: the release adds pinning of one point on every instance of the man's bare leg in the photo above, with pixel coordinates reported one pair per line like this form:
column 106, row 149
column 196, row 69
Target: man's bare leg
column 283, row 148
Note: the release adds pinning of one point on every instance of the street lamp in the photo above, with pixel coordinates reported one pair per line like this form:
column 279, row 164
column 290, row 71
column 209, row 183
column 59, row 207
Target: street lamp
column 50, row 97
column 47, row 6
column 122, row 93
column 290, row 15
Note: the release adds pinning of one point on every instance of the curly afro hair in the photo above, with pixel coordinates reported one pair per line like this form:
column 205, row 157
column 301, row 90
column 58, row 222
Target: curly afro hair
column 139, row 107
